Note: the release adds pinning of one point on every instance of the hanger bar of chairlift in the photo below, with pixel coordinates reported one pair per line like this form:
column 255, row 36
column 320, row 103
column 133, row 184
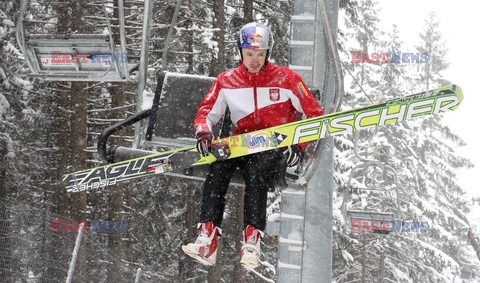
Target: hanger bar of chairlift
column 308, row 169
column 369, row 216
column 333, row 50
column 143, row 66
column 112, row 43
column 20, row 35
column 123, row 40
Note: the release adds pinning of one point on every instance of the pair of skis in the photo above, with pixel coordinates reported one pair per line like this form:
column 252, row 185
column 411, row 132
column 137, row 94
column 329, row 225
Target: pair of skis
column 388, row 112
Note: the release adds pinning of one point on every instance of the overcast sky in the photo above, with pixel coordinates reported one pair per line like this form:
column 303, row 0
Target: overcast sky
column 459, row 25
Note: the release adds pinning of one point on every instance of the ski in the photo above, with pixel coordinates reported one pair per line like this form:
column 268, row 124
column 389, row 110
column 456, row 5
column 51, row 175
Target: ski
column 388, row 112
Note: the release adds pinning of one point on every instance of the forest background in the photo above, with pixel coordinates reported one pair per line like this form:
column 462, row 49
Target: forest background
column 50, row 128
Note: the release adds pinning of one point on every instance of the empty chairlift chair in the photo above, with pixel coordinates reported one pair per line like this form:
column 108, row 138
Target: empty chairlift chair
column 76, row 57
column 370, row 221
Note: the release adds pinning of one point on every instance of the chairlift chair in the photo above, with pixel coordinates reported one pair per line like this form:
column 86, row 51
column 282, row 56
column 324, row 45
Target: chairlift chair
column 363, row 221
column 76, row 57
column 466, row 267
column 168, row 123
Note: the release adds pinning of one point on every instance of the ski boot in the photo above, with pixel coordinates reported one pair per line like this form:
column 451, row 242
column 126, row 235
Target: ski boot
column 250, row 252
column 204, row 250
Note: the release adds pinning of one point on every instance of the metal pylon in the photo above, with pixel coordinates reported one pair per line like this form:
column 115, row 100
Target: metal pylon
column 305, row 223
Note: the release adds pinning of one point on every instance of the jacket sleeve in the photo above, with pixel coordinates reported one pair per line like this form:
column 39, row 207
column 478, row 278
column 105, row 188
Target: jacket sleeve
column 211, row 109
column 303, row 100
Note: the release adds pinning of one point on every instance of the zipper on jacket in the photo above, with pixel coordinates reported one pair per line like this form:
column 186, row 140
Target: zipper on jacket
column 256, row 116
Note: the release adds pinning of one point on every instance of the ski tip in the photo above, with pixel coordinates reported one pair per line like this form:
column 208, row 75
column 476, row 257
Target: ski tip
column 453, row 89
column 458, row 91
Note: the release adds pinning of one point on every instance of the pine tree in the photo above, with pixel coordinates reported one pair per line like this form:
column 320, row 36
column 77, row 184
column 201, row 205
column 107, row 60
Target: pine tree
column 36, row 128
column 394, row 77
column 421, row 154
column 432, row 45
column 366, row 33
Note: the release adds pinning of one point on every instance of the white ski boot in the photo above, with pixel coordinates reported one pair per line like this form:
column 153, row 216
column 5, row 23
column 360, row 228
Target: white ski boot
column 204, row 250
column 250, row 252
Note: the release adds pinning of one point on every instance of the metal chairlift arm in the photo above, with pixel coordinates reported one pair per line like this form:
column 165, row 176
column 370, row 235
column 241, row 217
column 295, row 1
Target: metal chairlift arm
column 103, row 138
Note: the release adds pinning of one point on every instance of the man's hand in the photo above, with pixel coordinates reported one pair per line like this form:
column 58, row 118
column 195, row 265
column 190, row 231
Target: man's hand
column 204, row 142
column 294, row 153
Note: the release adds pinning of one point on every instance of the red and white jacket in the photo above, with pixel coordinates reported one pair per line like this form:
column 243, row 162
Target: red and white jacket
column 268, row 98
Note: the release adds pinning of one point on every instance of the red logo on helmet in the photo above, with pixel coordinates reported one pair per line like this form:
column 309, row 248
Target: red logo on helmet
column 255, row 39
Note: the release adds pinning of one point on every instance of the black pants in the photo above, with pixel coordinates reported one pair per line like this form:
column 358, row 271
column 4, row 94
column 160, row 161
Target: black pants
column 259, row 171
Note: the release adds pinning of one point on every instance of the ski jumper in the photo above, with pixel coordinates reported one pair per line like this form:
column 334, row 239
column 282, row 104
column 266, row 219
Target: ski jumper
column 256, row 101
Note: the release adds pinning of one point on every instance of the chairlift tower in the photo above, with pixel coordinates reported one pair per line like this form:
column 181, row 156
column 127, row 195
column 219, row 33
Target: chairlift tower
column 305, row 223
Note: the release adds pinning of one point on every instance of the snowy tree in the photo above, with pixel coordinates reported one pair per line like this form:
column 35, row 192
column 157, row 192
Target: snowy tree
column 394, row 77
column 50, row 128
column 366, row 34
column 421, row 153
column 432, row 44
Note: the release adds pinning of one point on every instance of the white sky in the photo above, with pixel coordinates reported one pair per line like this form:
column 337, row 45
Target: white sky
column 459, row 25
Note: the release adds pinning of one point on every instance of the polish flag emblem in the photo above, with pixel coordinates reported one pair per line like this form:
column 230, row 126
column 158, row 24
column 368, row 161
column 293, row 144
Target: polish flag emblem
column 274, row 94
